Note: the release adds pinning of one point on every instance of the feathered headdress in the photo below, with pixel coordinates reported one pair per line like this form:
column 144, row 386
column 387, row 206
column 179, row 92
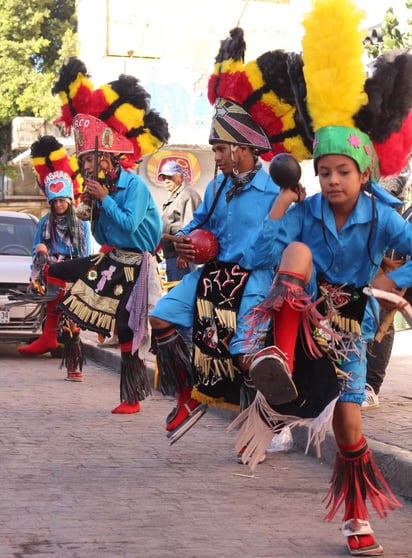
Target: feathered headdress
column 126, row 123
column 323, row 100
column 57, row 174
column 270, row 89
column 367, row 118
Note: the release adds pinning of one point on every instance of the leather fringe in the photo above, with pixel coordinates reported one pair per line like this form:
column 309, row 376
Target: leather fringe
column 134, row 381
column 174, row 364
column 259, row 422
column 73, row 353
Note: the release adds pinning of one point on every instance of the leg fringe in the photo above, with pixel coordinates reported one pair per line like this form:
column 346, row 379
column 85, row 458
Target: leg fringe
column 73, row 354
column 259, row 422
column 174, row 364
column 354, row 480
column 134, row 381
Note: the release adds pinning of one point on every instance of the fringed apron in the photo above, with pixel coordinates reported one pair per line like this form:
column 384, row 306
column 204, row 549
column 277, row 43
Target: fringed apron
column 218, row 296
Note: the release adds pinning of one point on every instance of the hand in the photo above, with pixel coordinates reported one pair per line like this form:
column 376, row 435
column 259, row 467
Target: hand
column 181, row 263
column 286, row 197
column 184, row 247
column 385, row 283
column 95, row 189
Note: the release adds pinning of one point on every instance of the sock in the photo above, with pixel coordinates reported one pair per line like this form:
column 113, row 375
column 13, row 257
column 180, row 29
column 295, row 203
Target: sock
column 287, row 319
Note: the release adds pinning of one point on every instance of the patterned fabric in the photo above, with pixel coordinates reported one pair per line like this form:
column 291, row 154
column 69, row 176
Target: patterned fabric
column 65, row 235
column 239, row 181
column 218, row 296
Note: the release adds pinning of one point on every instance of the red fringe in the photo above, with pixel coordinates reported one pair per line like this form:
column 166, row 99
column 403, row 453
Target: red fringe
column 280, row 293
column 354, row 480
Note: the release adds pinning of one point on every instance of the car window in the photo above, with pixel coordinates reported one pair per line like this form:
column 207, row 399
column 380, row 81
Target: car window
column 16, row 235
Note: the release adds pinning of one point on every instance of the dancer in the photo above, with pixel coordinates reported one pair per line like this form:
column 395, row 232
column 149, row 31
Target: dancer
column 215, row 297
column 60, row 236
column 114, row 288
column 330, row 247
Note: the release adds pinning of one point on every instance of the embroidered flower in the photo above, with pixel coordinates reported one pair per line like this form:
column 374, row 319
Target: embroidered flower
column 354, row 141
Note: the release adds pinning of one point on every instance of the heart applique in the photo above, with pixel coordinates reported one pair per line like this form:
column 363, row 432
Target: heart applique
column 56, row 187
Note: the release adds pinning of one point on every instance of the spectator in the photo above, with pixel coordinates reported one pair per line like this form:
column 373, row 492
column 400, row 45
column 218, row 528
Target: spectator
column 177, row 211
column 380, row 350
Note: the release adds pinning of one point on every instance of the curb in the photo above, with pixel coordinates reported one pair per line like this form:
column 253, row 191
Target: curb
column 394, row 462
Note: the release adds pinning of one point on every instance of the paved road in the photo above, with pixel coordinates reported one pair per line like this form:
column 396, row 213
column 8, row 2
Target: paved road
column 79, row 482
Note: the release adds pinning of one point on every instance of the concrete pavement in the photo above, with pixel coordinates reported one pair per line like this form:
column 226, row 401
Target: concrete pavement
column 388, row 428
column 79, row 482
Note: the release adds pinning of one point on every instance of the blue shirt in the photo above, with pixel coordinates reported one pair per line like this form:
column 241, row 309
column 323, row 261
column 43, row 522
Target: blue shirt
column 129, row 217
column 232, row 223
column 342, row 256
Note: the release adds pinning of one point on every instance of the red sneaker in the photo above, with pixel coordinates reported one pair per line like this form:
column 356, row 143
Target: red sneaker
column 74, row 377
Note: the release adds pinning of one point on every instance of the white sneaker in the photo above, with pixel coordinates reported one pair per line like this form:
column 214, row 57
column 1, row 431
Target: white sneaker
column 109, row 342
column 371, row 401
column 281, row 441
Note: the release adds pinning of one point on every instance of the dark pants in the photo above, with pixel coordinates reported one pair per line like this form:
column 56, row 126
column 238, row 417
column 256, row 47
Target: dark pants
column 378, row 356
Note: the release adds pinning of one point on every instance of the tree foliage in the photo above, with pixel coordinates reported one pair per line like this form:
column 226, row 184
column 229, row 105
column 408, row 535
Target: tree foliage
column 35, row 37
column 390, row 36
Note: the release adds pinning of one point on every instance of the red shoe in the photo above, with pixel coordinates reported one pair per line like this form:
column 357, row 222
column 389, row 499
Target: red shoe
column 183, row 417
column 74, row 377
column 126, row 408
column 360, row 539
column 36, row 348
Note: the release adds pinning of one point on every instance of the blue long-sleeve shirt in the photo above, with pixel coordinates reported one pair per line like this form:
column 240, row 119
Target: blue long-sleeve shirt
column 128, row 217
column 342, row 256
column 233, row 222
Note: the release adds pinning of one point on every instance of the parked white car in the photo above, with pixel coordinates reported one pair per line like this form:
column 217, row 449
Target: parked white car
column 18, row 322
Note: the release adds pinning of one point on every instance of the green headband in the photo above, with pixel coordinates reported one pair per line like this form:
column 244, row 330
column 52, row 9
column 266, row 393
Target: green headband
column 342, row 140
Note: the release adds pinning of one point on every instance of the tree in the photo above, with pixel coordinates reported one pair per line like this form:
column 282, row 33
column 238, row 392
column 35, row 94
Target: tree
column 389, row 35
column 33, row 45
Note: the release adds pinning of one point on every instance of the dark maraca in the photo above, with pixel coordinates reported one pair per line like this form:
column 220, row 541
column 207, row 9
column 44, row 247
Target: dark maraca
column 285, row 170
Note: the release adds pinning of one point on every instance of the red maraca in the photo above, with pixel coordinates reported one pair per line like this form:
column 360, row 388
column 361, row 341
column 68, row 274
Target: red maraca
column 206, row 245
column 285, row 170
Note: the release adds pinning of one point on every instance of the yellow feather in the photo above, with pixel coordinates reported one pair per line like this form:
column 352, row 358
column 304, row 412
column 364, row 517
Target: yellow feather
column 333, row 67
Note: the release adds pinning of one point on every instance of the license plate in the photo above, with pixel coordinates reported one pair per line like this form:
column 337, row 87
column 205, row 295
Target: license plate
column 4, row 316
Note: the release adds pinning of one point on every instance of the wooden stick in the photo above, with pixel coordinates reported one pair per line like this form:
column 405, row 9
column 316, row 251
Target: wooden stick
column 386, row 322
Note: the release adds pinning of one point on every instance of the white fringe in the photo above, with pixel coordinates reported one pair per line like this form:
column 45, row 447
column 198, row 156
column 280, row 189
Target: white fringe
column 256, row 433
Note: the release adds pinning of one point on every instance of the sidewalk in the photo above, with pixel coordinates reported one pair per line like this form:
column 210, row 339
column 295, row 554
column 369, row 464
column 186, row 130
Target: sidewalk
column 388, row 429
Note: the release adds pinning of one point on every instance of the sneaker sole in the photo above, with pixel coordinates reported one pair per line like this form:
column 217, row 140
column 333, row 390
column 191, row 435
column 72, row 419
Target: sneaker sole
column 271, row 377
column 177, row 433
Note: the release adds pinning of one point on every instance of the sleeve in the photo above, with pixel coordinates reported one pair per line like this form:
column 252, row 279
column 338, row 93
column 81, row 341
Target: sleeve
column 266, row 244
column 38, row 239
column 130, row 212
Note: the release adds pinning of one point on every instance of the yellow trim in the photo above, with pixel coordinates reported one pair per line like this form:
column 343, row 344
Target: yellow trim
column 220, row 402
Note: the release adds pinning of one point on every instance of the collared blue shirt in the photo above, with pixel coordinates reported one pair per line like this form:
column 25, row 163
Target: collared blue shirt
column 231, row 223
column 129, row 217
column 342, row 256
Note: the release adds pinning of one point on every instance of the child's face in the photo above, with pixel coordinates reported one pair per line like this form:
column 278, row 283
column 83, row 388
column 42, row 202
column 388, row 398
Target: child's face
column 340, row 180
column 60, row 206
